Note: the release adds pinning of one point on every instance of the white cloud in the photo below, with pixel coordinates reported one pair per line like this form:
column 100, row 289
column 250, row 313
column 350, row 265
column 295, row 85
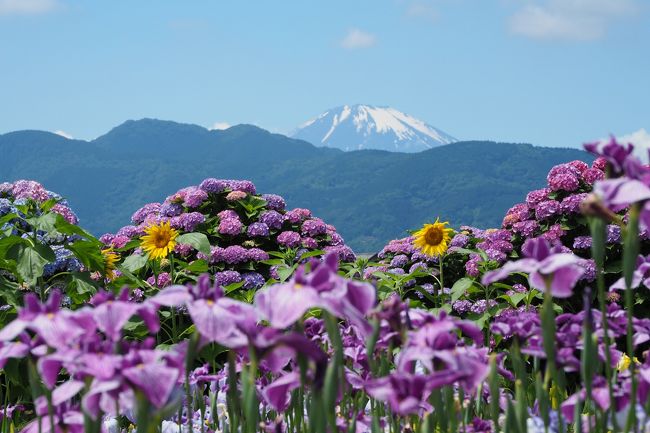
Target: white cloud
column 579, row 20
column 63, row 134
column 421, row 9
column 220, row 125
column 356, row 39
column 27, row 7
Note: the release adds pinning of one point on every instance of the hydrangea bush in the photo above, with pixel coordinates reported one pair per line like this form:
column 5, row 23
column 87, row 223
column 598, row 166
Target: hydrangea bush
column 41, row 246
column 242, row 238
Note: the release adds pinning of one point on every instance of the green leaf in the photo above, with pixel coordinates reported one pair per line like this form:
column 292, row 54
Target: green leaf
column 232, row 287
column 312, row 254
column 285, row 273
column 197, row 240
column 7, row 218
column 49, row 204
column 31, row 259
column 134, row 262
column 460, row 287
column 62, row 226
column 89, row 253
column 45, row 222
column 81, row 287
column 9, row 291
column 8, row 242
column 197, row 267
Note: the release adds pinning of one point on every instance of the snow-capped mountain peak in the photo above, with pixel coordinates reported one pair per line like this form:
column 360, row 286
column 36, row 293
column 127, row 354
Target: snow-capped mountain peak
column 367, row 127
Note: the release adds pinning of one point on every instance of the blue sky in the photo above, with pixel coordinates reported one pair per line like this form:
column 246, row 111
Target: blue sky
column 549, row 72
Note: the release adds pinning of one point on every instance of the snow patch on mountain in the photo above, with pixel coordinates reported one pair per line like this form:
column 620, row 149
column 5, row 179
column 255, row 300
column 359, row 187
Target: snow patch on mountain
column 359, row 127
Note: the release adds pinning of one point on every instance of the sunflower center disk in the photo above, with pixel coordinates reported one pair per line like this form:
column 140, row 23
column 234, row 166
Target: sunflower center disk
column 161, row 240
column 433, row 236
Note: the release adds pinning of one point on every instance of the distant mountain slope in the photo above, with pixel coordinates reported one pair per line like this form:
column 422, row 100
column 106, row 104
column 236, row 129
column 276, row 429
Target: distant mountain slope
column 360, row 127
column 371, row 196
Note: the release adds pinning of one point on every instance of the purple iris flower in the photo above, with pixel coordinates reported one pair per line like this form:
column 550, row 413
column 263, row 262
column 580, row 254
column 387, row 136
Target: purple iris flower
column 615, row 153
column 278, row 393
column 217, row 318
column 283, row 304
column 641, row 275
column 56, row 327
column 547, row 269
column 405, row 393
column 66, row 418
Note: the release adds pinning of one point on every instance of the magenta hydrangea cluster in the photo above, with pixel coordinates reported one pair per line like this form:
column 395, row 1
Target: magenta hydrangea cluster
column 243, row 227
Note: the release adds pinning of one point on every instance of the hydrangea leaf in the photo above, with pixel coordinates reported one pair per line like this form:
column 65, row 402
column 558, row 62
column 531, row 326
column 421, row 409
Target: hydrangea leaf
column 197, row 240
column 134, row 262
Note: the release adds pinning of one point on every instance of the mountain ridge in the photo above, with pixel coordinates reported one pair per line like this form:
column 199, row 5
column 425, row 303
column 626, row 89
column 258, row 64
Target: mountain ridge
column 371, row 196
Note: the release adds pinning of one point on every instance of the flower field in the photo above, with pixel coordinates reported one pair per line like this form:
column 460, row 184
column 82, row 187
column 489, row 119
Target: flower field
column 220, row 310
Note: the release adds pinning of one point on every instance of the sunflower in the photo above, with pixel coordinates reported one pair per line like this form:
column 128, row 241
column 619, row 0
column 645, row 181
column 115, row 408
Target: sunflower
column 433, row 239
column 110, row 259
column 159, row 240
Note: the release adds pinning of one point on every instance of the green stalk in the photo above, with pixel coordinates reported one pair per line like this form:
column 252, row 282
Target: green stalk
column 548, row 333
column 631, row 250
column 494, row 392
column 598, row 236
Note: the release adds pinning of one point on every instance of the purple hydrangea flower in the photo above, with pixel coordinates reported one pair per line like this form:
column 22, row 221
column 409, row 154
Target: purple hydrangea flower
column 29, row 189
column 462, row 307
column 164, row 280
column 343, row 252
column 171, row 209
column 130, row 231
column 243, row 186
column 258, row 230
column 471, row 267
column 590, row 270
column 225, row 278
column 314, row 227
column 230, row 226
column 310, row 243
column 613, row 234
column 141, row 214
column 194, row 197
column 289, row 239
column 537, row 196
column 481, row 306
column 119, row 241
column 257, row 255
column 183, row 250
column 228, row 213
column 399, row 261
column 253, row 280
column 518, row 212
column 336, row 239
column 272, row 219
column 188, row 221
column 213, row 185
column 564, row 182
column 298, row 215
column 232, row 254
column 459, row 240
column 582, row 243
column 66, row 213
column 274, row 202
column 417, row 265
column 547, row 209
column 571, row 204
column 554, row 233
column 593, row 175
column 525, row 228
